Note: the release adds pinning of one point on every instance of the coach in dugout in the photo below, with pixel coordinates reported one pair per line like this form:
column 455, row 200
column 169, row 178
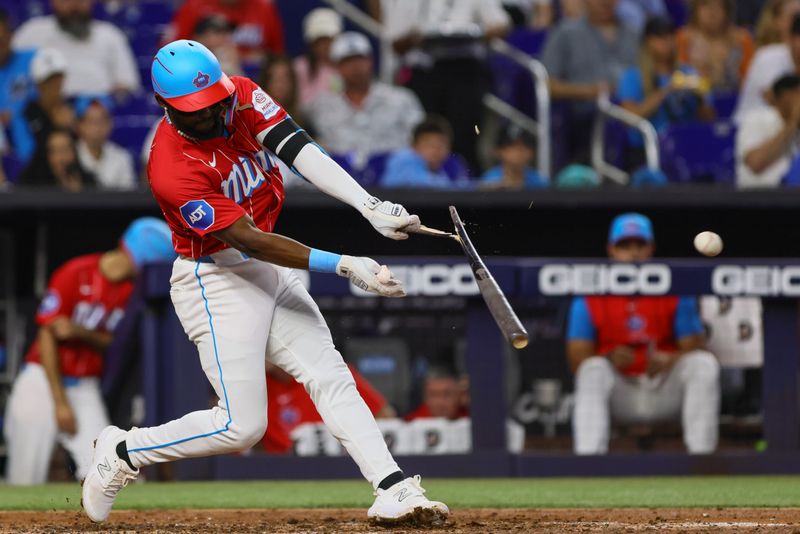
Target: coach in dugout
column 640, row 359
column 56, row 396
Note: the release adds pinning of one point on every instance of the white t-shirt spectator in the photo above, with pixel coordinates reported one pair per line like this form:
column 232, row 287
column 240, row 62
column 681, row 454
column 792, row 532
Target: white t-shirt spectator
column 755, row 128
column 769, row 63
column 96, row 65
column 114, row 169
column 382, row 124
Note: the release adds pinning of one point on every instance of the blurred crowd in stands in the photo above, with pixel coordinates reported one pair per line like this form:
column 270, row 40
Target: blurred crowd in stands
column 718, row 80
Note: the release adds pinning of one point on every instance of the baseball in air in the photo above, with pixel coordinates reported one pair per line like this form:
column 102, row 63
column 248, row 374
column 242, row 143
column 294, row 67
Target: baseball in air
column 384, row 275
column 708, row 243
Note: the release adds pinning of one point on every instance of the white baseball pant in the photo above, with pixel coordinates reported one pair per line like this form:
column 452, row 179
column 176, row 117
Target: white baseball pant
column 690, row 390
column 235, row 310
column 31, row 431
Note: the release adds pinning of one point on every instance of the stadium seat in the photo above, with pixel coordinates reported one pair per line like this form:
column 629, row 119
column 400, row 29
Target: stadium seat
column 724, row 104
column 373, row 171
column 699, row 152
column 528, row 40
column 457, row 169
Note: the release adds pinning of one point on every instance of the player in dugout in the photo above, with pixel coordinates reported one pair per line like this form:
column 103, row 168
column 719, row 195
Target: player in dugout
column 640, row 359
column 56, row 396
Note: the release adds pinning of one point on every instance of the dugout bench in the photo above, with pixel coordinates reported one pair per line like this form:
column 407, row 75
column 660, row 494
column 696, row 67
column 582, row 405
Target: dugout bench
column 173, row 384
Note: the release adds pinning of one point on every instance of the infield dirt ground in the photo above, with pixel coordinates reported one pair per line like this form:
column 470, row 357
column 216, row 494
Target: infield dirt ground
column 694, row 520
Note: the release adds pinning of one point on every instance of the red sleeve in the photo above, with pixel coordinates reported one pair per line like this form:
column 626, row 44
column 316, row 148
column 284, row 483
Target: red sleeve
column 60, row 298
column 191, row 200
column 373, row 398
column 273, row 29
column 261, row 111
column 182, row 25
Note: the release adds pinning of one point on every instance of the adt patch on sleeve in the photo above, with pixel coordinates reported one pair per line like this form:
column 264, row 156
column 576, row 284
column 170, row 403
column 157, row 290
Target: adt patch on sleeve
column 50, row 303
column 198, row 214
column 264, row 104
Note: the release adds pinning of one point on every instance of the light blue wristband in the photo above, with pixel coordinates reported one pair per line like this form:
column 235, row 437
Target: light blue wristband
column 323, row 262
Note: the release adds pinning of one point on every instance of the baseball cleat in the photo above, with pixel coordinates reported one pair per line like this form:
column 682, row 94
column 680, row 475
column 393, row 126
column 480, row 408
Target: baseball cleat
column 107, row 475
column 405, row 503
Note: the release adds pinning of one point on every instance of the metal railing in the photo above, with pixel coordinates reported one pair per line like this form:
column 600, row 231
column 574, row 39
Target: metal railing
column 540, row 127
column 541, row 100
column 607, row 110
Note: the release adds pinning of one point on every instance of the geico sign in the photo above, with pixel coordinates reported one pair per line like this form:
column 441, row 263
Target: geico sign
column 756, row 280
column 432, row 280
column 613, row 279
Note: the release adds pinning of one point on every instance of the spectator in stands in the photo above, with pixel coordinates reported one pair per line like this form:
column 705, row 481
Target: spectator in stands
column 111, row 165
column 258, row 26
column 316, row 73
column 636, row 13
column 775, row 23
column 16, row 88
column 288, row 406
column 661, row 89
column 442, row 42
column 442, row 396
column 98, row 57
column 368, row 117
column 640, row 359
column 768, row 139
column 515, row 152
column 769, row 64
column 55, row 164
column 56, row 397
column 279, row 81
column 421, row 165
column 714, row 45
column 216, row 33
column 585, row 57
column 50, row 110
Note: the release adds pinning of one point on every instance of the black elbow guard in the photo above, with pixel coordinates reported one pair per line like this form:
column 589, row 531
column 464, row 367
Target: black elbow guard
column 286, row 140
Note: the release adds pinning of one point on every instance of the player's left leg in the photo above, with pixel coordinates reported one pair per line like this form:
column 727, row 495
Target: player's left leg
column 30, row 427
column 91, row 418
column 698, row 374
column 300, row 343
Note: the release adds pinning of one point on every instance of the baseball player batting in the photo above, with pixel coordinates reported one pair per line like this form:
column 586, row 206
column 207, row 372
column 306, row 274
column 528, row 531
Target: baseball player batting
column 213, row 171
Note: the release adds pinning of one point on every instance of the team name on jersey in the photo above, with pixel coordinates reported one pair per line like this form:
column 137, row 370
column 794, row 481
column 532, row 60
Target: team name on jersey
column 93, row 316
column 246, row 176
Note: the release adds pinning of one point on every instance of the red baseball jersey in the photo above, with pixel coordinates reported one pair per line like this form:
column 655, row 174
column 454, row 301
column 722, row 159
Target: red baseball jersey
column 289, row 405
column 205, row 186
column 79, row 291
column 257, row 24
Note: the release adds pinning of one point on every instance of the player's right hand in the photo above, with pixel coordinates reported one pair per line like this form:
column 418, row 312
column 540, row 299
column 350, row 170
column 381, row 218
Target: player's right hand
column 363, row 273
column 65, row 418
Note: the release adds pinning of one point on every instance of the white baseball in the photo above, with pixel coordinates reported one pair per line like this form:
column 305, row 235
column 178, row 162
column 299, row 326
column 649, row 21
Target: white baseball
column 708, row 243
column 384, row 275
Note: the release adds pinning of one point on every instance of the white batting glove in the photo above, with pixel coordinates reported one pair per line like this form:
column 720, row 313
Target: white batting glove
column 363, row 273
column 391, row 220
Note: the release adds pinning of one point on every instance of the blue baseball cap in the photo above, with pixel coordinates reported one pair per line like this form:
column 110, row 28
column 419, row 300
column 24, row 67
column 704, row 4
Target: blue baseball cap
column 148, row 240
column 630, row 226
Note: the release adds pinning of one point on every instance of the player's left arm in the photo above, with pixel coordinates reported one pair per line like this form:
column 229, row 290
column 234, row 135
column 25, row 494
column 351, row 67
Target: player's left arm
column 299, row 151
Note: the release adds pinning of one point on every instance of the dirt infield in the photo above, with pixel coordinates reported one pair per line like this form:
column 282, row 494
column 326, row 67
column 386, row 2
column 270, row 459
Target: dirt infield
column 695, row 520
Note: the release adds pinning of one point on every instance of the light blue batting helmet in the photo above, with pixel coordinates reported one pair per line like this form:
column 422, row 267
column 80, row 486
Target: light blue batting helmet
column 147, row 240
column 188, row 76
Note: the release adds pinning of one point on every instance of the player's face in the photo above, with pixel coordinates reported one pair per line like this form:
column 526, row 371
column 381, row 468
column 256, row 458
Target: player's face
column 631, row 250
column 205, row 123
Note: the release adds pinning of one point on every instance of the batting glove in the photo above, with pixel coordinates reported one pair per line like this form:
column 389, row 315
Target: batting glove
column 363, row 273
column 391, row 220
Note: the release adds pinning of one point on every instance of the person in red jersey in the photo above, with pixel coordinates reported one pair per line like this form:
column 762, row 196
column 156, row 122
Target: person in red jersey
column 442, row 396
column 56, row 396
column 289, row 406
column 213, row 171
column 640, row 359
column 257, row 25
